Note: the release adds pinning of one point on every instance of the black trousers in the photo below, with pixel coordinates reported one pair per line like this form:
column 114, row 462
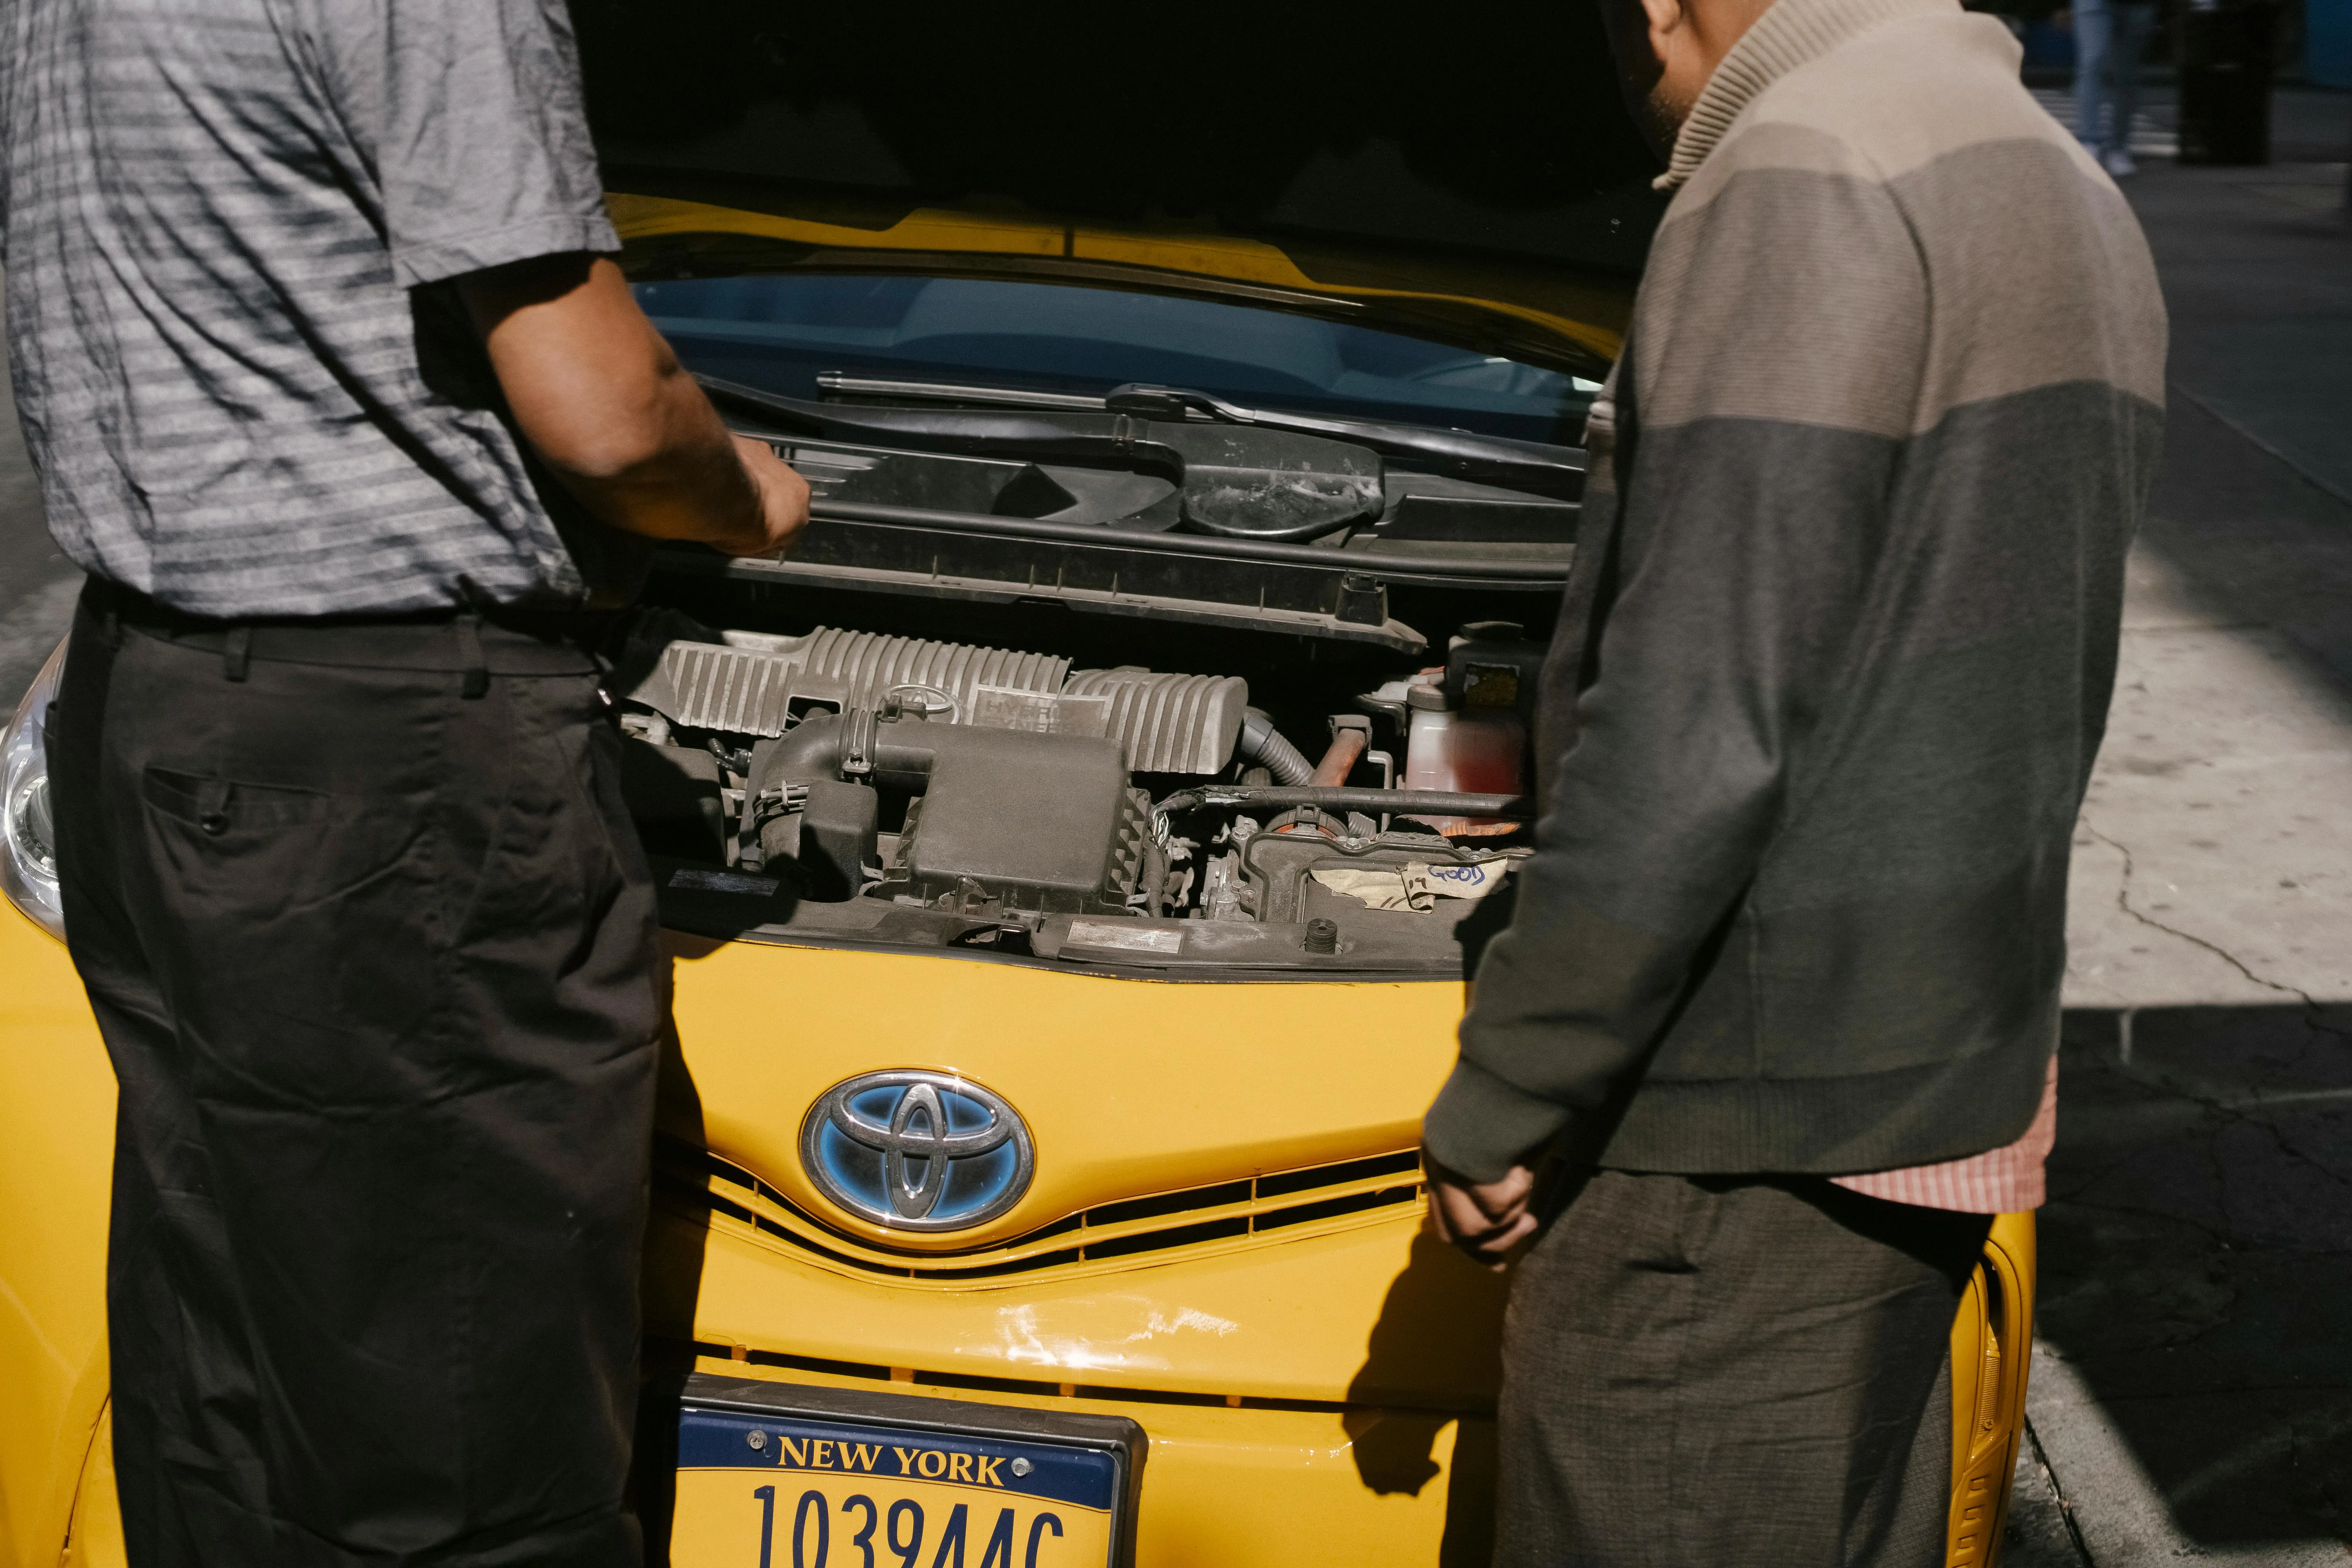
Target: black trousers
column 371, row 944
column 1702, row 1371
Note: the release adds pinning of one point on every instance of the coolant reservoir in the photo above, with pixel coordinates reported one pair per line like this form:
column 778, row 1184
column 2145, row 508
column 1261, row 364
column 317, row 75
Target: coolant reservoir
column 1474, row 750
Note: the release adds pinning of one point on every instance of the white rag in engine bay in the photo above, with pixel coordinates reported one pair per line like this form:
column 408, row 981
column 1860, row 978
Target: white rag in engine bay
column 1416, row 885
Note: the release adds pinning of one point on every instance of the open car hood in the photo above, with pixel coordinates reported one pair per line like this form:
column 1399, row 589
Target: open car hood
column 1478, row 183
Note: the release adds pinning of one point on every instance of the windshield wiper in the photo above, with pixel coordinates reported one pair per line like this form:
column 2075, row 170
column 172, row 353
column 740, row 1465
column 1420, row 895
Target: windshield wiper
column 1531, row 465
column 841, row 380
column 1268, row 484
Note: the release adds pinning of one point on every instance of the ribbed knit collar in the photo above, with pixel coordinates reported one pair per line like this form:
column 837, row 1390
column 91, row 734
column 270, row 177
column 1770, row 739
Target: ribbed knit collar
column 1789, row 34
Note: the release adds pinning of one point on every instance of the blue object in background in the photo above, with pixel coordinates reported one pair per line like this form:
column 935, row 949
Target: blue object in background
column 2048, row 47
column 2327, row 42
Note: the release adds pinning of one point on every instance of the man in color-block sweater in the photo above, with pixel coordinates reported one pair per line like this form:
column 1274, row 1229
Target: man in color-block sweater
column 1781, row 989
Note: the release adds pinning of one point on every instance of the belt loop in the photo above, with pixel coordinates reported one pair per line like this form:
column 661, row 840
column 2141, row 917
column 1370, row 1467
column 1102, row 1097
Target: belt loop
column 237, row 652
column 478, row 668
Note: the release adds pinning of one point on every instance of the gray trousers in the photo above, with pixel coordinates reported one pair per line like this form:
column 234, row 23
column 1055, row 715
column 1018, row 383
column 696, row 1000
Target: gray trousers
column 1701, row 1370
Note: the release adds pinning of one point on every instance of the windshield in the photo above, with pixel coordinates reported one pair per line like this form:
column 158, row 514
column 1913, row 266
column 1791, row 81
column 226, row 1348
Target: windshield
column 778, row 332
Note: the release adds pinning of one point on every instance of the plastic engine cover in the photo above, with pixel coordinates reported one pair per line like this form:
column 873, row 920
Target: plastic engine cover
column 761, row 685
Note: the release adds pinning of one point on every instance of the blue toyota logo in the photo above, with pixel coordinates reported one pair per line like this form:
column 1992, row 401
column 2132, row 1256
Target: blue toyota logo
column 917, row 1151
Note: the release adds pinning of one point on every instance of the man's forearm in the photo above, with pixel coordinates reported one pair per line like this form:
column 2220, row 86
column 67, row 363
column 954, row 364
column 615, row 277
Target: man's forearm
column 688, row 483
column 606, row 405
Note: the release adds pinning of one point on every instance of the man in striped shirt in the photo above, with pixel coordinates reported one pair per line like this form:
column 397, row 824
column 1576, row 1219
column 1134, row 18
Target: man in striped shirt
column 359, row 434
column 1782, row 987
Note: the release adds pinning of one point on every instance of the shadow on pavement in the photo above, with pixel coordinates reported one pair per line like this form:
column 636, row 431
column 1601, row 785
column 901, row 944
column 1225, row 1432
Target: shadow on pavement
column 2197, row 1258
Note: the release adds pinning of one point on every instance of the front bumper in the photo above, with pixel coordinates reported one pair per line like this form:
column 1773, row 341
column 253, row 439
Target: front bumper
column 1323, row 1395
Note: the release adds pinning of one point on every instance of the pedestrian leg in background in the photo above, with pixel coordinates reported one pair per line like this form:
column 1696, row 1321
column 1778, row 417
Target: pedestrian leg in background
column 1731, row 1370
column 2094, row 42
column 372, row 945
column 2131, row 22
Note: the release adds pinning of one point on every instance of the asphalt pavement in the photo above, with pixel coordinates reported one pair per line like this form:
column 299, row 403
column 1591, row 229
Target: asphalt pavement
column 2191, row 1395
column 2193, row 1387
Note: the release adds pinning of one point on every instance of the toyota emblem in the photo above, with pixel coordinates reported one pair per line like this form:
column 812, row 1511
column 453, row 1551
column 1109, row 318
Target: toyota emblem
column 917, row 1151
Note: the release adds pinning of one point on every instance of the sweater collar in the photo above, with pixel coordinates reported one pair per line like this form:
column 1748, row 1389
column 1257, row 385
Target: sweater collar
column 1789, row 34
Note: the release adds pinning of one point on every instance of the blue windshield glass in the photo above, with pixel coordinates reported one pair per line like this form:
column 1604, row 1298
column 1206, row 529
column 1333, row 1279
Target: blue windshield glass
column 779, row 331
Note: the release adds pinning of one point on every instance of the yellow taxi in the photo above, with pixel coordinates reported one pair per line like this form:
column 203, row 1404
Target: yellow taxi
column 1075, row 853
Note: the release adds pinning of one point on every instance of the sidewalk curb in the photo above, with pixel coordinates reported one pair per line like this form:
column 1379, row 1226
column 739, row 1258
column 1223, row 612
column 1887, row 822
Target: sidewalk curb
column 2266, row 447
column 2120, row 1515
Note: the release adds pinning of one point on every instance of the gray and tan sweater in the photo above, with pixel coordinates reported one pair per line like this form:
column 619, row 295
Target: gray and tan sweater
column 1840, row 638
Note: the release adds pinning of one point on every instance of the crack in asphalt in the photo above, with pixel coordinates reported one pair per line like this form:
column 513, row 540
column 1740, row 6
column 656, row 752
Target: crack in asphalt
column 2228, row 1114
column 2293, row 1446
column 2123, row 902
column 2314, row 1017
column 2058, row 1494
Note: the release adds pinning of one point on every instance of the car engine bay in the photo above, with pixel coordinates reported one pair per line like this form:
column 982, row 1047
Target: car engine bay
column 1142, row 678
column 857, row 786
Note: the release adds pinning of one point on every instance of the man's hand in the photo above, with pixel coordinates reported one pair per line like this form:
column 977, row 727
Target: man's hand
column 604, row 402
column 1485, row 1220
column 783, row 501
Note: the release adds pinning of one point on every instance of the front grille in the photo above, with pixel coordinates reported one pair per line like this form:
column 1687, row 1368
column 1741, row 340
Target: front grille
column 1228, row 1213
column 904, row 1380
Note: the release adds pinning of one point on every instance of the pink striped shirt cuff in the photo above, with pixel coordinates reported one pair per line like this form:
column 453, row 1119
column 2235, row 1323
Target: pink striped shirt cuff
column 1999, row 1181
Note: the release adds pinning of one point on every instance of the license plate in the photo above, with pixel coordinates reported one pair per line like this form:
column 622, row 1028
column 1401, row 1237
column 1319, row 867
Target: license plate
column 949, row 1487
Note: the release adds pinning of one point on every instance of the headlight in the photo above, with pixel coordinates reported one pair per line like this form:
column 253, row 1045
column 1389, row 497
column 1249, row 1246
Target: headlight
column 28, row 838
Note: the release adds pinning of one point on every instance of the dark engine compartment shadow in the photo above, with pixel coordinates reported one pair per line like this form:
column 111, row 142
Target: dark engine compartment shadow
column 1496, row 133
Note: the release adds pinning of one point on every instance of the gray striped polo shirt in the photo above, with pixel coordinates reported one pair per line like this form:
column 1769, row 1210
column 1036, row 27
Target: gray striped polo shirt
column 228, row 227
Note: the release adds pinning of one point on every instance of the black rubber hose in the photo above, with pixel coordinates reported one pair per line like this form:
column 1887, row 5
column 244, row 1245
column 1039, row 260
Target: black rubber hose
column 1391, row 802
column 1262, row 743
column 811, row 749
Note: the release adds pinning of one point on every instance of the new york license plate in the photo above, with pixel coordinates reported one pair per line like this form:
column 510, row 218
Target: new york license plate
column 767, row 1490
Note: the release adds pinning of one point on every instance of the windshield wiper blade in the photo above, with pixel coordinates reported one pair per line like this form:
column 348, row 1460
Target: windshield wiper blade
column 842, row 382
column 1538, row 465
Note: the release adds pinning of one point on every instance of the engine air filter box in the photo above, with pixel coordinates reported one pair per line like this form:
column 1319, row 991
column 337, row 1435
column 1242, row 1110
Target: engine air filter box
column 1037, row 822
